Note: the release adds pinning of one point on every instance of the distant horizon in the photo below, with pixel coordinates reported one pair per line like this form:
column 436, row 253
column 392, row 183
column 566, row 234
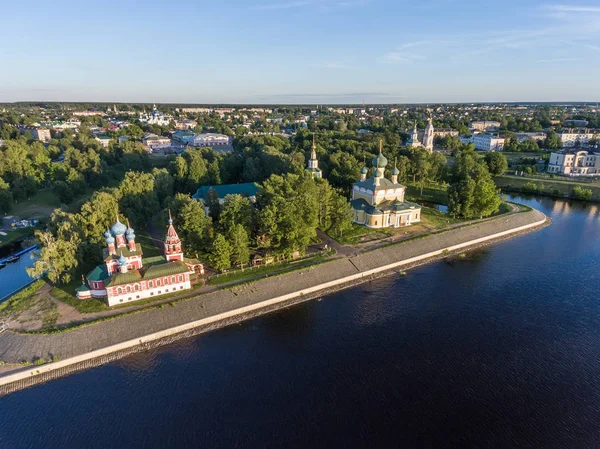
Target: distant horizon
column 224, row 104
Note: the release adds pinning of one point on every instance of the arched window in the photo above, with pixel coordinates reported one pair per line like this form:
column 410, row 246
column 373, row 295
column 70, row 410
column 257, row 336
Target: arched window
column 128, row 289
column 150, row 284
column 136, row 287
column 158, row 283
column 119, row 291
column 180, row 278
column 172, row 279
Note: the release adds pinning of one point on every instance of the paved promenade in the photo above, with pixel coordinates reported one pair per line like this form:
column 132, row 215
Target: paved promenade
column 15, row 348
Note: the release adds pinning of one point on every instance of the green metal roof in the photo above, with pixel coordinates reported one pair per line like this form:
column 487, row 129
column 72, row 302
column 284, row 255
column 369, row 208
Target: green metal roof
column 98, row 274
column 246, row 189
column 82, row 288
column 165, row 269
column 384, row 184
column 384, row 206
column 124, row 278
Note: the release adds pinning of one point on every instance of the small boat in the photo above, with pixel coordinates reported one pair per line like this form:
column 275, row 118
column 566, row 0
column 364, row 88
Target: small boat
column 2, row 265
column 12, row 259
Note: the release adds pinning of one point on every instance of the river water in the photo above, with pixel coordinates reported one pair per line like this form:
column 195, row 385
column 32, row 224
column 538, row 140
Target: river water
column 497, row 350
column 14, row 276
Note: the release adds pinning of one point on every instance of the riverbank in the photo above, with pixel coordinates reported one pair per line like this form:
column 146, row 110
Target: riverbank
column 106, row 341
column 557, row 187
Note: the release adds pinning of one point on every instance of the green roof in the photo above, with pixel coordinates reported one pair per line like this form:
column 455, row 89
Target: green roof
column 384, row 206
column 246, row 189
column 165, row 269
column 125, row 251
column 124, row 278
column 384, row 184
column 98, row 274
column 82, row 288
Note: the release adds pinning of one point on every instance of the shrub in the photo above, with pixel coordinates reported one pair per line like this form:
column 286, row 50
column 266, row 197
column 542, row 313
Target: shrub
column 530, row 187
column 581, row 193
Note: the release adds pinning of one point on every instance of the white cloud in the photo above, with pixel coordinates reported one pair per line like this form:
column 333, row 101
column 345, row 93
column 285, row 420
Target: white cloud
column 573, row 8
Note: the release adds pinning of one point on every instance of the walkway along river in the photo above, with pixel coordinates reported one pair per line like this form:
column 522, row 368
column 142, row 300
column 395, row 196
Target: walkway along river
column 499, row 349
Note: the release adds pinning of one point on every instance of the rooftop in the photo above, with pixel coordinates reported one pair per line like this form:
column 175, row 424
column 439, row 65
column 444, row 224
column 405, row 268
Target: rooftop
column 246, row 189
column 384, row 184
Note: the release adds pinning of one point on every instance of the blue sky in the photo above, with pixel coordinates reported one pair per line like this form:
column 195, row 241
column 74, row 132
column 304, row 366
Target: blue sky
column 299, row 51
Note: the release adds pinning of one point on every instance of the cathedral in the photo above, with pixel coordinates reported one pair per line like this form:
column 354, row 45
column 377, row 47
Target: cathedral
column 428, row 136
column 124, row 278
column 378, row 202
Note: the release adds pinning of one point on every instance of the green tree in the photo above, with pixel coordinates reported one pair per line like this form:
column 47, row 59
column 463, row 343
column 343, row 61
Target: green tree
column 240, row 254
column 6, row 198
column 340, row 215
column 472, row 193
column 219, row 256
column 496, row 162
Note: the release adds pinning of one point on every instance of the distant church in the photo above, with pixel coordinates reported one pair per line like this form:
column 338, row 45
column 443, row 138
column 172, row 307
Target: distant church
column 428, row 136
column 313, row 163
column 378, row 202
column 123, row 277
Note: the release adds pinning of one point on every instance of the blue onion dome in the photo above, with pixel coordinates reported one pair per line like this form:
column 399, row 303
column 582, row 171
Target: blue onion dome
column 129, row 231
column 130, row 237
column 379, row 172
column 395, row 171
column 118, row 228
column 380, row 161
column 109, row 240
column 122, row 260
column 364, row 170
column 107, row 234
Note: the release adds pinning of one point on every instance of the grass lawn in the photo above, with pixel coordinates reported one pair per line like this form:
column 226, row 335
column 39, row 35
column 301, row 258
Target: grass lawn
column 430, row 195
column 40, row 205
column 266, row 270
column 21, row 301
column 546, row 186
column 17, row 234
column 148, row 247
column 66, row 293
column 361, row 234
column 434, row 219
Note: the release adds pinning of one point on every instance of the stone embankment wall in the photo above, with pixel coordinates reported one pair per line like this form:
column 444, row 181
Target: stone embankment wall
column 109, row 340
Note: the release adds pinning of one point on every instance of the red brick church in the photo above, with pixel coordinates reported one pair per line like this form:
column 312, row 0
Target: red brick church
column 123, row 277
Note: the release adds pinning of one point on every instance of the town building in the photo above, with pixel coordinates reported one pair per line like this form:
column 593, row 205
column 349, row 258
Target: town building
column 575, row 163
column 103, row 140
column 537, row 136
column 182, row 138
column 41, row 134
column 487, row 142
column 313, row 163
column 185, row 124
column 378, row 202
column 210, row 140
column 153, row 141
column 123, row 278
column 445, row 132
column 583, row 137
column 485, row 126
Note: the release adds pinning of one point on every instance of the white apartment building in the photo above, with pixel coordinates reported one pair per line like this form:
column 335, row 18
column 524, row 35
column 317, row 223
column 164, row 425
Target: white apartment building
column 485, row 142
column 104, row 140
column 575, row 163
column 570, row 137
column 41, row 134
